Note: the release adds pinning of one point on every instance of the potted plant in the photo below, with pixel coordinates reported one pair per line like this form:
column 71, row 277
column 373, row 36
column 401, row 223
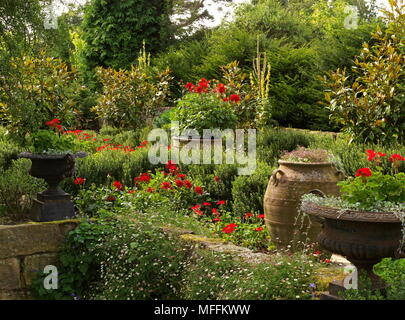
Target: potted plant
column 52, row 160
column 364, row 224
column 204, row 106
column 299, row 172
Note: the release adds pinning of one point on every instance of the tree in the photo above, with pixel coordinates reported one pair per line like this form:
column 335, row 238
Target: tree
column 188, row 16
column 114, row 31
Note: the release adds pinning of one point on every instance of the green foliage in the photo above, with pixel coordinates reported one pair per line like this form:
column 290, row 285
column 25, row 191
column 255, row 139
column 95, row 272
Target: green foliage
column 163, row 120
column 201, row 111
column 248, row 191
column 114, row 31
column 378, row 187
column 393, row 273
column 17, row 189
column 218, row 276
column 247, row 231
column 152, row 261
column 8, row 152
column 302, row 40
column 130, row 98
column 49, row 141
column 37, row 90
column 272, row 142
column 119, row 165
column 351, row 157
column 371, row 108
column 79, row 263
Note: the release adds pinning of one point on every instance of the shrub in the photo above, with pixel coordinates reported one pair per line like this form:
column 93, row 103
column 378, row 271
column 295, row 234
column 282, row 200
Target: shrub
column 116, row 164
column 204, row 107
column 349, row 157
column 39, row 89
column 18, row 188
column 248, row 191
column 130, row 98
column 272, row 142
column 371, row 108
column 8, row 152
column 393, row 273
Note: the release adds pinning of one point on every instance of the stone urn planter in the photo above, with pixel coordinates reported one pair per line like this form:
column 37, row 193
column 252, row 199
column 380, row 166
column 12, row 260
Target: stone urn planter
column 286, row 186
column 364, row 238
column 179, row 141
column 54, row 203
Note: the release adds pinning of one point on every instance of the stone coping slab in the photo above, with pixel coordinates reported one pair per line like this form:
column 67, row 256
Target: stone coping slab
column 33, row 238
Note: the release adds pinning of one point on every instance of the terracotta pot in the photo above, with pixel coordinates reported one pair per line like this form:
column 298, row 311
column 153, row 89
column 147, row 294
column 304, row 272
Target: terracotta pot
column 282, row 199
column 364, row 238
column 53, row 203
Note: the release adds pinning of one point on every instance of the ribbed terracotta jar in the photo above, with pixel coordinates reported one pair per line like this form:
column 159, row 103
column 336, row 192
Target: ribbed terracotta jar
column 287, row 185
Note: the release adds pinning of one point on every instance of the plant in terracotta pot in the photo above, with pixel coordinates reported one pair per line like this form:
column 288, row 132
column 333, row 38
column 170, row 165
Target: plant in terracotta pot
column 366, row 223
column 299, row 172
column 53, row 159
column 204, row 106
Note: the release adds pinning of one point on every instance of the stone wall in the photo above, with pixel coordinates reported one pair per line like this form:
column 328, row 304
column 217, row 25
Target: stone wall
column 26, row 249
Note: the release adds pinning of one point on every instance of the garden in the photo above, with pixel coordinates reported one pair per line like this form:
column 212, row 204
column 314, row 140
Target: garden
column 259, row 159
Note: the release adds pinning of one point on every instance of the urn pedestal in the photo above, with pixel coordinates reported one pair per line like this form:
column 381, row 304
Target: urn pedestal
column 54, row 203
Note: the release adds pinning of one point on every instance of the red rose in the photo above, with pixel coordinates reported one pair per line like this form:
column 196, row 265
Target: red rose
column 188, row 184
column 181, row 176
column 396, row 157
column 371, row 154
column 261, row 216
column 198, row 190
column 189, row 86
column 179, row 183
column 206, row 204
column 248, row 215
column 80, row 181
column 220, row 88
column 259, row 229
column 118, row 185
column 234, row 97
column 220, row 202
column 229, row 228
column 150, row 189
column 166, row 185
column 363, row 172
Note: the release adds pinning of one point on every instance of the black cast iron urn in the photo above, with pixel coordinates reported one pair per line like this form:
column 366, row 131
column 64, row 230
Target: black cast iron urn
column 54, row 203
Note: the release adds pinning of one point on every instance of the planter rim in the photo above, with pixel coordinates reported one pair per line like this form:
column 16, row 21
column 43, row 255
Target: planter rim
column 314, row 209
column 305, row 163
column 186, row 138
column 51, row 156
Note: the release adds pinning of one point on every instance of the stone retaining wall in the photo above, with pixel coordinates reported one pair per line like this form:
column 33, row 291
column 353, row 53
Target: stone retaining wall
column 26, row 249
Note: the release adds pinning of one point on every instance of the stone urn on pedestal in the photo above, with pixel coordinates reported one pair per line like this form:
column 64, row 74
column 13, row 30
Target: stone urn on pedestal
column 364, row 238
column 53, row 203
